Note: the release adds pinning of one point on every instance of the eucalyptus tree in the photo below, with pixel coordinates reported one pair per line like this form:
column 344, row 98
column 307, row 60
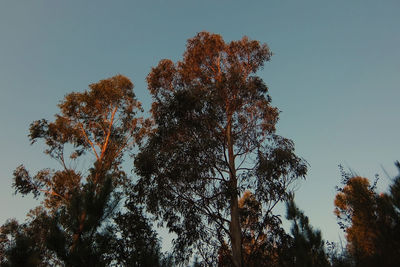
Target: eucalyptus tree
column 213, row 138
column 100, row 121
column 78, row 212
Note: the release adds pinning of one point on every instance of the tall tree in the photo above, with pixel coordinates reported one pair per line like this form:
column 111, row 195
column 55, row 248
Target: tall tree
column 100, row 121
column 213, row 138
column 78, row 211
column 371, row 220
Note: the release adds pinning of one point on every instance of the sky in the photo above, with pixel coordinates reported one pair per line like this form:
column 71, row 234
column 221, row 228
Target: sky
column 334, row 76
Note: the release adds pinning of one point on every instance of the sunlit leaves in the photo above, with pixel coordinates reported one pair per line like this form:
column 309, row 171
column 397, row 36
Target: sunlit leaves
column 371, row 220
column 75, row 222
column 213, row 138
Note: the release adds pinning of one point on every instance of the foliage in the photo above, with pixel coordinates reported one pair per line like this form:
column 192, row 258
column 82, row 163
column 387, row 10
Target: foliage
column 76, row 225
column 214, row 138
column 371, row 221
column 101, row 121
column 83, row 244
column 18, row 246
column 265, row 243
column 137, row 243
column 307, row 248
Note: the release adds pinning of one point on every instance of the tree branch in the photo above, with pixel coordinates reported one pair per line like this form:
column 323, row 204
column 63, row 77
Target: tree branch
column 89, row 141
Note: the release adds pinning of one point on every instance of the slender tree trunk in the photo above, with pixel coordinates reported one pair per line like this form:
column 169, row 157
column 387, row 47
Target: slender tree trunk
column 236, row 236
column 234, row 228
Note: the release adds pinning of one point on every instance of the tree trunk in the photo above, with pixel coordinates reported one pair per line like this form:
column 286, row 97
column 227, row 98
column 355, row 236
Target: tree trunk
column 234, row 228
column 236, row 235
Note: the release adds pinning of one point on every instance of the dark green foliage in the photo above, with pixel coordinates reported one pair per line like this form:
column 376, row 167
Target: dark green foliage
column 83, row 242
column 106, row 238
column 137, row 243
column 18, row 248
column 307, row 249
column 25, row 244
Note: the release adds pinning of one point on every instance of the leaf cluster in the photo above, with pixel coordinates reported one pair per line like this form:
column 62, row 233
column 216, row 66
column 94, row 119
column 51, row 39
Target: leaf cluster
column 370, row 220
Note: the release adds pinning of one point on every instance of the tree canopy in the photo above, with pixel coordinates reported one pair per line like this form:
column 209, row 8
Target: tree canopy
column 370, row 220
column 78, row 222
column 213, row 138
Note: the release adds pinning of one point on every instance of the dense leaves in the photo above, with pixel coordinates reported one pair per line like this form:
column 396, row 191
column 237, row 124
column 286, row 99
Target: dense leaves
column 214, row 138
column 78, row 223
column 371, row 220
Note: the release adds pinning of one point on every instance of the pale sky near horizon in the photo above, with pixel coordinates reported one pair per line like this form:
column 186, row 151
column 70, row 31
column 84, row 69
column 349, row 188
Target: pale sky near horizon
column 334, row 76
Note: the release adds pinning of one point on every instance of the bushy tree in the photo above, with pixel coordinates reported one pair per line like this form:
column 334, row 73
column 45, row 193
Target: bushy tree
column 371, row 220
column 77, row 221
column 213, row 138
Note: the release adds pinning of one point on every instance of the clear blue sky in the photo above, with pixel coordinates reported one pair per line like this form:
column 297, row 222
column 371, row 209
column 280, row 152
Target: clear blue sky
column 334, row 75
